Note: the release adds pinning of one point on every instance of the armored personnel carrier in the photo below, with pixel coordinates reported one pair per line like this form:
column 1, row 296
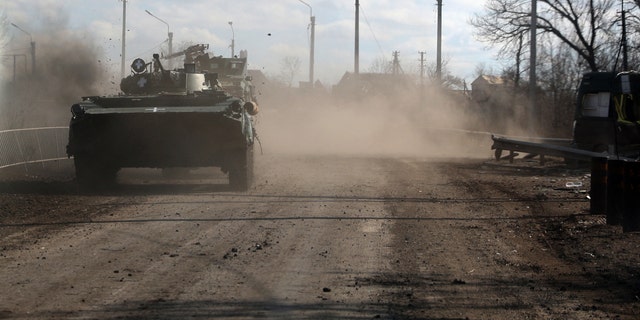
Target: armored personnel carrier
column 198, row 116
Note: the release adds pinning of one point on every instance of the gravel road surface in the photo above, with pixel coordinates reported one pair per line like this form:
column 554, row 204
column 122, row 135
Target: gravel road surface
column 317, row 237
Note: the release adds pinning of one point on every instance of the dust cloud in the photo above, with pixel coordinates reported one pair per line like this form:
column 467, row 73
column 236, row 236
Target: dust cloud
column 404, row 123
column 68, row 66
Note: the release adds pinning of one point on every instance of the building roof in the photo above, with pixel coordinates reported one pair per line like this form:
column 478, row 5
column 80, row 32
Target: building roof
column 492, row 80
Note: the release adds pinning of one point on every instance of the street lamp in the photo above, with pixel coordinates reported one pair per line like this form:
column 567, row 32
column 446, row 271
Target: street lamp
column 170, row 35
column 33, row 49
column 311, row 49
column 233, row 40
column 124, row 37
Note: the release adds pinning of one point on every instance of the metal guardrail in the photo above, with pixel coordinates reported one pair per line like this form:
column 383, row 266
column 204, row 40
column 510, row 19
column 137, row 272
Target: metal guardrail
column 33, row 145
column 550, row 147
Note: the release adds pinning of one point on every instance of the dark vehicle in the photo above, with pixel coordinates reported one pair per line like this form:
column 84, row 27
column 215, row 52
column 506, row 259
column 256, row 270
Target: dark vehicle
column 186, row 118
column 608, row 112
column 606, row 122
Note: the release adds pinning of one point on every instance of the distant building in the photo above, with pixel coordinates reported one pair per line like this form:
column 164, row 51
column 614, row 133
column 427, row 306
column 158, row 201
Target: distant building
column 362, row 85
column 260, row 82
column 491, row 89
column 497, row 103
column 258, row 79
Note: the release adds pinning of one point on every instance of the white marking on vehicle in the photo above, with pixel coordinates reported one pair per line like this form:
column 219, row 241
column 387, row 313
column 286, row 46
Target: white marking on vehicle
column 155, row 109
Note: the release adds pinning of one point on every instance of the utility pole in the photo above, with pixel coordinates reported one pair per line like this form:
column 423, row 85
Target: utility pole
column 532, row 64
column 124, row 30
column 170, row 35
column 356, row 63
column 312, row 45
column 170, row 50
column 421, row 68
column 233, row 40
column 439, row 45
column 396, row 63
column 33, row 57
column 33, row 50
column 312, row 53
column 14, row 63
column 625, row 58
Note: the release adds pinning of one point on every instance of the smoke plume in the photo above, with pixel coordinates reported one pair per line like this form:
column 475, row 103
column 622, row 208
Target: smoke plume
column 68, row 66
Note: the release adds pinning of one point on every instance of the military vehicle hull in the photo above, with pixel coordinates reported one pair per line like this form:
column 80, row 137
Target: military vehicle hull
column 109, row 133
column 167, row 119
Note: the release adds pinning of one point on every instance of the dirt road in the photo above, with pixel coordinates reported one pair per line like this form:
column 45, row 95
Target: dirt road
column 318, row 238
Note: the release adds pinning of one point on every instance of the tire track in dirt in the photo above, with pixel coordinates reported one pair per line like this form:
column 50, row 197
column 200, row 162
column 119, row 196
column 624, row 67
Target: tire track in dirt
column 534, row 269
column 474, row 251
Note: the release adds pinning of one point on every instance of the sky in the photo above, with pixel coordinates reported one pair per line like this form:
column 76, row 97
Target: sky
column 268, row 30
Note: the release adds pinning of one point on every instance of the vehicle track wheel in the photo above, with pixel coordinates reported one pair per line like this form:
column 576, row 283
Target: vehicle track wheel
column 93, row 174
column 241, row 169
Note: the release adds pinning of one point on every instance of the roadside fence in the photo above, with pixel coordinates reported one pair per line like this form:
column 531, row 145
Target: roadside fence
column 33, row 145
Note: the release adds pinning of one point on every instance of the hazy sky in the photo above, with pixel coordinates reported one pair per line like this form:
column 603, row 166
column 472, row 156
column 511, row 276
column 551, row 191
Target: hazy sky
column 268, row 30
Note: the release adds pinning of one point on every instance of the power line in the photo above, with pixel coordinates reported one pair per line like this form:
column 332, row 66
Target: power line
column 372, row 33
column 159, row 45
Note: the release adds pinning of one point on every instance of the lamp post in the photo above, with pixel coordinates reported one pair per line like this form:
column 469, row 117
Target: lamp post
column 532, row 64
column 124, row 37
column 356, row 55
column 33, row 49
column 170, row 35
column 439, row 45
column 233, row 40
column 312, row 45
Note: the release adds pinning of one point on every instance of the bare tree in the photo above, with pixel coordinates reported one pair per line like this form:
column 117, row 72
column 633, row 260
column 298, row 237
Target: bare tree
column 633, row 33
column 558, row 76
column 381, row 65
column 582, row 25
column 290, row 67
column 447, row 80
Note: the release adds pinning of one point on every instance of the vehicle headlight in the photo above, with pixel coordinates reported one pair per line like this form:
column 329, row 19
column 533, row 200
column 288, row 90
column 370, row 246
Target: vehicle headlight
column 77, row 110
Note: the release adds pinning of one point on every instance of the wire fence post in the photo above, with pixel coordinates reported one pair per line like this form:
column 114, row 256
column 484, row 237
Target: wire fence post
column 24, row 160
column 32, row 145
